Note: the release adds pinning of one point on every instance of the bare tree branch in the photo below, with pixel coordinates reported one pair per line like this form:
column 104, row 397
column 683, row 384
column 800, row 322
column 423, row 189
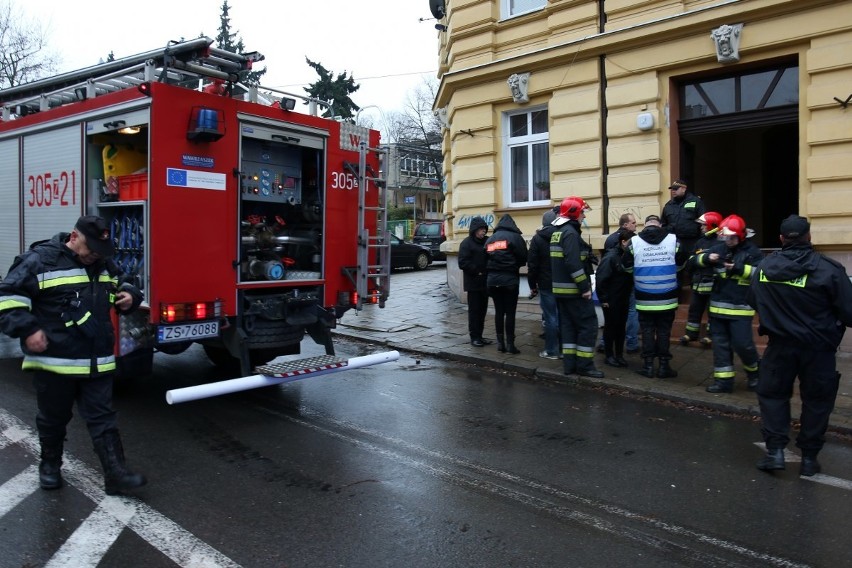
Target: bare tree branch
column 24, row 53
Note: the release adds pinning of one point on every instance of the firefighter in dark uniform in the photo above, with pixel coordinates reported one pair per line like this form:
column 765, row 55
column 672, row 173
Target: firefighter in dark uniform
column 734, row 260
column 681, row 213
column 804, row 302
column 57, row 298
column 571, row 264
column 702, row 280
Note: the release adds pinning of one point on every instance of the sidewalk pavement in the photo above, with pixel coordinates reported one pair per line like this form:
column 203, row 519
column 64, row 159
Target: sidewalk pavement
column 423, row 316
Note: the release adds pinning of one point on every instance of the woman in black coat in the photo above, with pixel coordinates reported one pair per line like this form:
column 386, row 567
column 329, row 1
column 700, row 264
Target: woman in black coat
column 507, row 253
column 613, row 287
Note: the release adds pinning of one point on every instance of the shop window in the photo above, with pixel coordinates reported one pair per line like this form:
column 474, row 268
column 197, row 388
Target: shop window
column 528, row 158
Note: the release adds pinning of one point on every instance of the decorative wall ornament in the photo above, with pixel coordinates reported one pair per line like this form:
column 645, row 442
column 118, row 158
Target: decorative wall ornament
column 519, row 84
column 442, row 114
column 727, row 40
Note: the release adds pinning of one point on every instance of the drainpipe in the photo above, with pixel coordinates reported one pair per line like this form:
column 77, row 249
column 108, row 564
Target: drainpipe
column 604, row 114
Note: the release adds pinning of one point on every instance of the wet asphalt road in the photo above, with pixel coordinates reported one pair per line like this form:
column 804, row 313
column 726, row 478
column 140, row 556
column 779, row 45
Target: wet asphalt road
column 415, row 463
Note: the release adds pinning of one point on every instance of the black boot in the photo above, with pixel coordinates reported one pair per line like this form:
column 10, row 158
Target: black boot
column 721, row 385
column 665, row 371
column 586, row 368
column 773, row 460
column 49, row 469
column 810, row 466
column 117, row 477
column 510, row 346
column 751, row 380
column 501, row 346
column 648, row 369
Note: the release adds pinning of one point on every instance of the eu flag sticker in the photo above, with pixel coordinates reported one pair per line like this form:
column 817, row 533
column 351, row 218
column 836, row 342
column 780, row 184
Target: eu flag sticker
column 176, row 177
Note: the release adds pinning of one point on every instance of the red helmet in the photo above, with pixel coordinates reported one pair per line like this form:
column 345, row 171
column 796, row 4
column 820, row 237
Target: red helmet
column 711, row 219
column 733, row 225
column 572, row 207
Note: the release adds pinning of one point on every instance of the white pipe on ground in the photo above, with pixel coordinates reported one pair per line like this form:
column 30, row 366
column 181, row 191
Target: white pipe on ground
column 176, row 396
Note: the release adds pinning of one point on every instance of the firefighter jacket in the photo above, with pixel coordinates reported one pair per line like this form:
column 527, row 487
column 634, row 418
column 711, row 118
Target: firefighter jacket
column 729, row 297
column 570, row 262
column 539, row 272
column 48, row 288
column 507, row 253
column 654, row 257
column 802, row 297
column 702, row 276
column 473, row 259
column 679, row 217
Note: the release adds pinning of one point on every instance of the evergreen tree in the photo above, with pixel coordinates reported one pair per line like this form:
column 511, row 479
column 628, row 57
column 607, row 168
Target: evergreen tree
column 230, row 41
column 333, row 91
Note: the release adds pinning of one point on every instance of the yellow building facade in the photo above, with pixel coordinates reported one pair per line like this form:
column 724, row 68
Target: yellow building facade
column 750, row 101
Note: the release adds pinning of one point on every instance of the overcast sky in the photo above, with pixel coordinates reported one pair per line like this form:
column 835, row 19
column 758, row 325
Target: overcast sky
column 381, row 43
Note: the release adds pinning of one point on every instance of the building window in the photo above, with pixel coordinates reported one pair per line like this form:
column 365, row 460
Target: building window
column 528, row 158
column 516, row 7
column 757, row 90
column 431, row 205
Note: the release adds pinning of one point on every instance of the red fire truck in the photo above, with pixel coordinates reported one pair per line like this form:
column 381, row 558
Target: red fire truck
column 246, row 224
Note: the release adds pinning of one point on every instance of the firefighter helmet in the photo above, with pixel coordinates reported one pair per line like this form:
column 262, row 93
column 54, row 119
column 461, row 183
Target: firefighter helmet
column 572, row 207
column 733, row 225
column 711, row 219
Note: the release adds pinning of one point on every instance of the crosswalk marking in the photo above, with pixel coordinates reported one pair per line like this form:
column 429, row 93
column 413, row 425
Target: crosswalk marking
column 17, row 489
column 88, row 544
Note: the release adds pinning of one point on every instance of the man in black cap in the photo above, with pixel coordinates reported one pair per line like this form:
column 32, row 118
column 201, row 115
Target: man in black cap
column 57, row 298
column 804, row 301
column 681, row 213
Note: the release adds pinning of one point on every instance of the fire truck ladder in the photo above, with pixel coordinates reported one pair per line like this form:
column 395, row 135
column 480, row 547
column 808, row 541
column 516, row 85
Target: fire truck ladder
column 372, row 280
column 183, row 62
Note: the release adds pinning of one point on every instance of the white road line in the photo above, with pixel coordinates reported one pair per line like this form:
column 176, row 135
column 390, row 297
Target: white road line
column 829, row 480
column 178, row 544
column 17, row 489
column 90, row 542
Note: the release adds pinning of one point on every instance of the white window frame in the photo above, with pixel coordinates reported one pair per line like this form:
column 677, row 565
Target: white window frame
column 506, row 9
column 528, row 140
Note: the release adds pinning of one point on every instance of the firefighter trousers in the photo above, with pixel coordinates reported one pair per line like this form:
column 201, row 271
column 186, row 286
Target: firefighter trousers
column 56, row 395
column 578, row 324
column 732, row 335
column 697, row 306
column 818, row 383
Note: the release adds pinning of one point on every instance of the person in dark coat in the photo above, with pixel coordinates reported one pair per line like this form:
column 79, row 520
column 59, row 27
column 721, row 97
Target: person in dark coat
column 804, row 302
column 614, row 287
column 540, row 279
column 473, row 262
column 680, row 215
column 58, row 299
column 734, row 259
column 507, row 253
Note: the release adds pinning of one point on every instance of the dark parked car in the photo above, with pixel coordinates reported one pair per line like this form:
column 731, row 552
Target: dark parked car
column 408, row 255
column 431, row 234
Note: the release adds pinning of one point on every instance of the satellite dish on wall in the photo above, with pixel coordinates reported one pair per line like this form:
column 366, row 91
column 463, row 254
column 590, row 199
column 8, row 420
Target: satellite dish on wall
column 437, row 8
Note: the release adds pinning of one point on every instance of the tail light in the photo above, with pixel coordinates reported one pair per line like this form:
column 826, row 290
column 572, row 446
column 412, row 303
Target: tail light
column 190, row 311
